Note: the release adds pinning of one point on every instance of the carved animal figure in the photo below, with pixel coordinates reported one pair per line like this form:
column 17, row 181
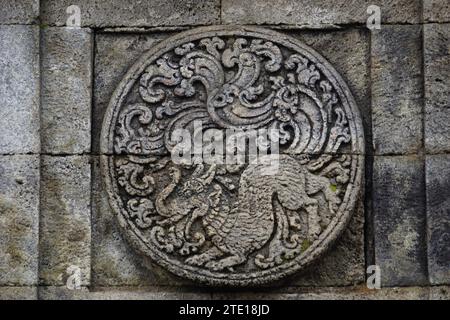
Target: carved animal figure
column 252, row 223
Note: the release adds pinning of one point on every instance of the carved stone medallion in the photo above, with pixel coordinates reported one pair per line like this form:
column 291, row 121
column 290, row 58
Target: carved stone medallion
column 227, row 223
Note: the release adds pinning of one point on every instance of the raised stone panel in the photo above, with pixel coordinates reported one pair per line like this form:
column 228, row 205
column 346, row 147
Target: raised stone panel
column 65, row 226
column 438, row 218
column 323, row 12
column 397, row 89
column 399, row 215
column 66, row 90
column 114, row 55
column 19, row 11
column 437, row 87
column 19, row 220
column 113, row 13
column 19, row 89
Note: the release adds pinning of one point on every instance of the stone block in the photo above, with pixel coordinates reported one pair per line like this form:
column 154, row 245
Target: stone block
column 19, row 11
column 398, row 197
column 66, row 90
column 19, row 89
column 321, row 12
column 397, row 89
column 437, row 87
column 438, row 218
column 19, row 220
column 440, row 293
column 18, row 293
column 62, row 293
column 113, row 13
column 436, row 10
column 65, row 227
column 330, row 293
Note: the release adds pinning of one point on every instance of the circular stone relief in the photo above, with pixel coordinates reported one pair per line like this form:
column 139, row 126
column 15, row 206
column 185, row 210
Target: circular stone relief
column 232, row 223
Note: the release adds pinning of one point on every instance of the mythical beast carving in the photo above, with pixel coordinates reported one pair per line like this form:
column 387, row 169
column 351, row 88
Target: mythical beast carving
column 228, row 223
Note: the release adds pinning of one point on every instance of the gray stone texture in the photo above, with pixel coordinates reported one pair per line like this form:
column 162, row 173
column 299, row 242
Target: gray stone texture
column 436, row 10
column 440, row 293
column 123, row 293
column 114, row 55
column 304, row 12
column 19, row 11
column 336, row 293
column 18, row 293
column 114, row 261
column 65, row 226
column 19, row 220
column 397, row 98
column 348, row 51
column 398, row 197
column 437, row 87
column 19, row 89
column 403, row 109
column 66, row 90
column 343, row 264
column 438, row 217
column 112, row 13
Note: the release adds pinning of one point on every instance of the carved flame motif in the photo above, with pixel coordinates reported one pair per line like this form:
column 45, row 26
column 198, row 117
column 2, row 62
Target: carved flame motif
column 232, row 224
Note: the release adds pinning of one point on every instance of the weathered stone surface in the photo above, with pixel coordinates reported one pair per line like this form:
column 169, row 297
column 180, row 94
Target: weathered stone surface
column 19, row 89
column 349, row 52
column 112, row 13
column 397, row 89
column 337, row 293
column 398, row 197
column 66, row 90
column 221, row 224
column 109, row 293
column 437, row 87
column 344, row 264
column 440, row 293
column 114, row 263
column 306, row 12
column 19, row 219
column 18, row 293
column 438, row 218
column 19, row 11
column 114, row 55
column 65, row 226
column 436, row 10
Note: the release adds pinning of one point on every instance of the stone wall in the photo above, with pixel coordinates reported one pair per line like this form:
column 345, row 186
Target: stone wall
column 56, row 83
